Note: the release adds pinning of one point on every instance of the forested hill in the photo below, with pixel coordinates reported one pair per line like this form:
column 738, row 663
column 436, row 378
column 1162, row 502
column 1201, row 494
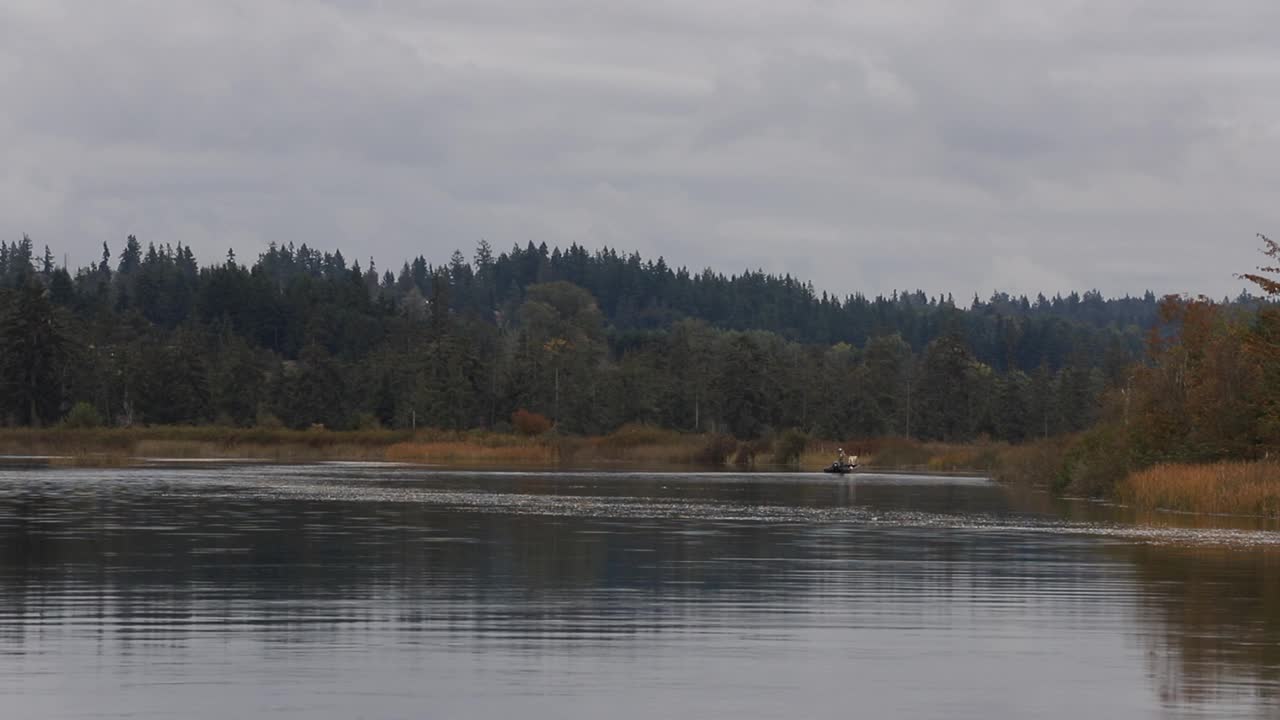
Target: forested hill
column 635, row 294
column 304, row 336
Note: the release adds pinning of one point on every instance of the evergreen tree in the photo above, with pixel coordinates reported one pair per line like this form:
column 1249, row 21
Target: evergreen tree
column 130, row 257
column 944, row 391
column 36, row 358
column 104, row 267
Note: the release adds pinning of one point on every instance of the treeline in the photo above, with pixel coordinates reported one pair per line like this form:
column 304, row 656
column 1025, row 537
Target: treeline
column 589, row 340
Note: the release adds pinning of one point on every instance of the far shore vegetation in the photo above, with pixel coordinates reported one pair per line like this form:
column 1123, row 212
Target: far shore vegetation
column 629, row 446
column 559, row 358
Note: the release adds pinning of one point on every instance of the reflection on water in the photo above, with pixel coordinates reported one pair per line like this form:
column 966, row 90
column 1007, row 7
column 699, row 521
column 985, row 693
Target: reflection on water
column 1212, row 623
column 346, row 591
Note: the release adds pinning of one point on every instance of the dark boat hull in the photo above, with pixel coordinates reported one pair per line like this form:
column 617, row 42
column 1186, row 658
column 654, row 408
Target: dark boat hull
column 839, row 469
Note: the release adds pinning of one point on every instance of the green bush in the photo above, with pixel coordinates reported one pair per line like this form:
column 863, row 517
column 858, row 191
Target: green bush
column 83, row 415
column 267, row 420
column 1095, row 464
column 789, row 447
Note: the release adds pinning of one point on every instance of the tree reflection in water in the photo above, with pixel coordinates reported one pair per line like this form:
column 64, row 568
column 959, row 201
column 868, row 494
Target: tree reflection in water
column 1210, row 618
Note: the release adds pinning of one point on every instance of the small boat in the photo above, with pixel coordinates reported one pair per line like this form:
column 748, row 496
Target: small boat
column 840, row 469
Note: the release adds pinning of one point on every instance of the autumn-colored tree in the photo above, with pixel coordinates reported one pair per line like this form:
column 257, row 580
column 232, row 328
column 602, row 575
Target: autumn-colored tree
column 1197, row 399
column 1268, row 285
column 529, row 423
column 1262, row 342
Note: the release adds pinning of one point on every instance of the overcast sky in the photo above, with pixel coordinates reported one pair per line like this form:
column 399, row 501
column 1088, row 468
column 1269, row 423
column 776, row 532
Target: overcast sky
column 951, row 146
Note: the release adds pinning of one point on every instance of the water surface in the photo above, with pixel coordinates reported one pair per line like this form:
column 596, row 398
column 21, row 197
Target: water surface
column 342, row 591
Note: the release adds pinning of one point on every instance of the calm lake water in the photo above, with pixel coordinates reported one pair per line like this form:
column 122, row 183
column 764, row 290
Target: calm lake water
column 346, row 591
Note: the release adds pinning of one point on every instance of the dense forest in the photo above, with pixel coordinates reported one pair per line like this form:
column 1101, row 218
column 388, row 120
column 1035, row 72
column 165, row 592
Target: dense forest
column 592, row 341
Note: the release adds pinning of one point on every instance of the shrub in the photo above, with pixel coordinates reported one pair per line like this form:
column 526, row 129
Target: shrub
column 266, row 420
column 83, row 415
column 530, row 423
column 717, row 449
column 1035, row 463
column 790, row 446
column 1094, row 464
column 748, row 451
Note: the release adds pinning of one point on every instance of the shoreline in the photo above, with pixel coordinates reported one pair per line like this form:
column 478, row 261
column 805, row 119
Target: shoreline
column 1249, row 489
column 603, row 467
column 630, row 446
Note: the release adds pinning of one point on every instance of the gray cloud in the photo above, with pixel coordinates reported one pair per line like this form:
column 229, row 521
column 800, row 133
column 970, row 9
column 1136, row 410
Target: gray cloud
column 957, row 147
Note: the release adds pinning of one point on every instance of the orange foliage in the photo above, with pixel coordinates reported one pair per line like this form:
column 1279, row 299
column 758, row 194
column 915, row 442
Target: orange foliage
column 530, row 423
column 1268, row 285
column 1198, row 399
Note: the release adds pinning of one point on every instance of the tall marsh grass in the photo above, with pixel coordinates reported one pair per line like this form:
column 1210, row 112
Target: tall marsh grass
column 630, row 444
column 633, row 445
column 108, row 445
column 458, row 451
column 1240, row 488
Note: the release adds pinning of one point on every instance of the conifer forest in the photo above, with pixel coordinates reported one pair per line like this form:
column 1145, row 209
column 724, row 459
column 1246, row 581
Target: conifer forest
column 590, row 340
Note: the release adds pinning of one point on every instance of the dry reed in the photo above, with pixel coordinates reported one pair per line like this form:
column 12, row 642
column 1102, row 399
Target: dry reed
column 104, row 446
column 631, row 445
column 1240, row 488
column 472, row 452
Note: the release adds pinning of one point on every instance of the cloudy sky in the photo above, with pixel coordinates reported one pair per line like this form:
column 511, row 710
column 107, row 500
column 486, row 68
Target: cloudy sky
column 951, row 146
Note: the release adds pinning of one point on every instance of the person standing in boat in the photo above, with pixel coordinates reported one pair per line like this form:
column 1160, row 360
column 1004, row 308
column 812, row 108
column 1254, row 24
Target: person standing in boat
column 842, row 460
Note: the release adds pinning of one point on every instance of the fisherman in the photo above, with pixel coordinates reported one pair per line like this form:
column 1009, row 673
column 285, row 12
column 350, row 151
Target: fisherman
column 842, row 460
